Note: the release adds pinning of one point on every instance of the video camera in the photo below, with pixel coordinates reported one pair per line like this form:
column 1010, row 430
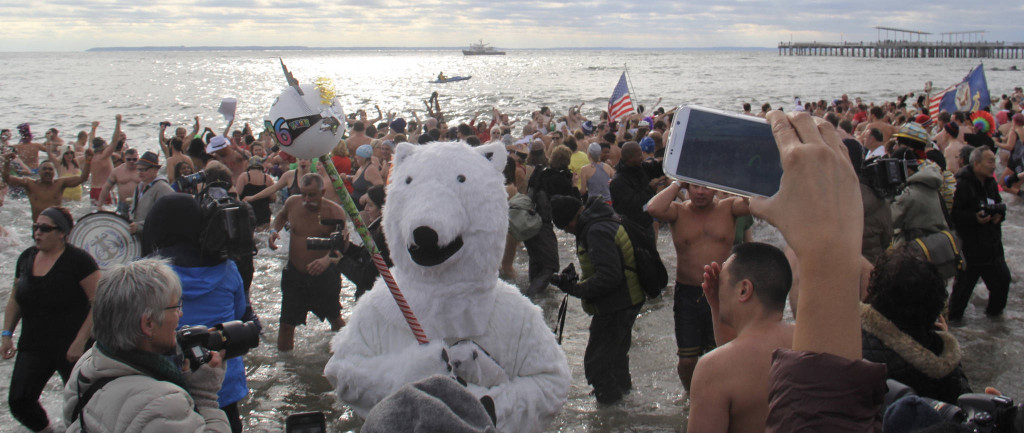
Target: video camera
column 336, row 241
column 234, row 337
column 886, row 176
column 979, row 412
column 190, row 182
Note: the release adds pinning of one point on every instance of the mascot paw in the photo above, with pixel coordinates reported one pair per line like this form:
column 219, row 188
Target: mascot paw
column 474, row 365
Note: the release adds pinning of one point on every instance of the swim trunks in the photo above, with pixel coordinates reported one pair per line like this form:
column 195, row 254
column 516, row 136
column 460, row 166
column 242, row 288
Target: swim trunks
column 695, row 333
column 94, row 193
column 302, row 293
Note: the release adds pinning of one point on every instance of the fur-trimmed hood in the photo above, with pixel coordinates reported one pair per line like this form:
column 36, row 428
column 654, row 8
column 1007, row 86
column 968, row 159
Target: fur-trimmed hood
column 922, row 359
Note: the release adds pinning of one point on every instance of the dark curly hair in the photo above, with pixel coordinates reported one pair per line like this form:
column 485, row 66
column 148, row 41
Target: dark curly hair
column 907, row 289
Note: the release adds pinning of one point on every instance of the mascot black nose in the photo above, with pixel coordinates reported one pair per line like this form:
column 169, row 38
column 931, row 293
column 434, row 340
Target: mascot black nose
column 424, row 237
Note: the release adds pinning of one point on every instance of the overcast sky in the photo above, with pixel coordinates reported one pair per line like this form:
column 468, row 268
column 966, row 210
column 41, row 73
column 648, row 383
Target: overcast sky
column 73, row 25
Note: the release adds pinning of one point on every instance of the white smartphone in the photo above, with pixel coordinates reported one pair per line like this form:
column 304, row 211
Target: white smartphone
column 728, row 152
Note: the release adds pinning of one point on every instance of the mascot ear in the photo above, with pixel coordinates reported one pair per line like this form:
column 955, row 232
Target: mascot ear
column 495, row 153
column 402, row 151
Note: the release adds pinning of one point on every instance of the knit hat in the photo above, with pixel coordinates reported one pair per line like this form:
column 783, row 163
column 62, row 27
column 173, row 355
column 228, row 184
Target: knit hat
column 588, row 127
column 563, row 210
column 952, row 129
column 148, row 159
column 647, row 145
column 924, row 120
column 909, row 414
column 364, row 151
column 914, row 132
column 217, row 143
column 398, row 125
column 435, row 404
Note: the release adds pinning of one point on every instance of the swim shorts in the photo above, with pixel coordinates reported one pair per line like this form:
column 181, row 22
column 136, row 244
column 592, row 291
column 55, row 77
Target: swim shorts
column 302, row 293
column 94, row 193
column 695, row 333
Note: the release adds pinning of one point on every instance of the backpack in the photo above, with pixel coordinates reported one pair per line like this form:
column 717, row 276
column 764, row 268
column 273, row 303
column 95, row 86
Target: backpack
column 228, row 226
column 650, row 270
column 524, row 221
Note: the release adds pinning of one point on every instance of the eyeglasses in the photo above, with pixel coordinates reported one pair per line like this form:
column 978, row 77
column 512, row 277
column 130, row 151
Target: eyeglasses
column 174, row 307
column 131, row 159
column 43, row 228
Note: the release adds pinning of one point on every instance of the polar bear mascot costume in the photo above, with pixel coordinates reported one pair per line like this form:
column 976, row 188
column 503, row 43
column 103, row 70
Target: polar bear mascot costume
column 446, row 220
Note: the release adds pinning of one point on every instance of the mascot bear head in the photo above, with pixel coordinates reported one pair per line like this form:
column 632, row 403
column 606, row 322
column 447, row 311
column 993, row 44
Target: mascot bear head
column 446, row 219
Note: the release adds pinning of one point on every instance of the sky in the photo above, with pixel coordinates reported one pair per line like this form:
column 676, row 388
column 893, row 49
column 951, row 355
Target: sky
column 75, row 25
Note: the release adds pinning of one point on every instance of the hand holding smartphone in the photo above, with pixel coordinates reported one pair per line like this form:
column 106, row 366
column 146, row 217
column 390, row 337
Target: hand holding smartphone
column 728, row 152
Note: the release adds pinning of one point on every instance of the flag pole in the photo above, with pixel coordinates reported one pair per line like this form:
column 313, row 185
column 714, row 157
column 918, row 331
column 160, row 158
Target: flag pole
column 631, row 91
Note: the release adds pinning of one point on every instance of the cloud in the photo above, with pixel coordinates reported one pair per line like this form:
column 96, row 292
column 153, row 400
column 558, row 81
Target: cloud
column 81, row 24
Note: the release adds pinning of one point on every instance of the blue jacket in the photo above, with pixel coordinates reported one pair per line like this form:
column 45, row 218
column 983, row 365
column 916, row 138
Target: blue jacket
column 211, row 295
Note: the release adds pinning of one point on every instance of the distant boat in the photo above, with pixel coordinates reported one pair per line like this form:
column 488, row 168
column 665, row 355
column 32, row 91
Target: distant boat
column 482, row 49
column 450, row 79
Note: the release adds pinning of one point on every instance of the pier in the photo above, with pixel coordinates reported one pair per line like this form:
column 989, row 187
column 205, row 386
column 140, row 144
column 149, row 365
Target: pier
column 902, row 44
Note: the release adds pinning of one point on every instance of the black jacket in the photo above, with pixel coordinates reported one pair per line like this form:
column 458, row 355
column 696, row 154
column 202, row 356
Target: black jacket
column 546, row 183
column 603, row 286
column 982, row 243
column 631, row 189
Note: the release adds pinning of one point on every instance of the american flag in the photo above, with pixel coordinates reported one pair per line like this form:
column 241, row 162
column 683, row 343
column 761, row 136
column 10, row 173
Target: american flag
column 936, row 101
column 620, row 105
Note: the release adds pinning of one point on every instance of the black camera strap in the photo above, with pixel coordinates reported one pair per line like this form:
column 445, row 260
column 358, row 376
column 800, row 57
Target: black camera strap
column 83, row 399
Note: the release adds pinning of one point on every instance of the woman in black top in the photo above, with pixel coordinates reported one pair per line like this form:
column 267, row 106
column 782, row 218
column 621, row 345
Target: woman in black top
column 251, row 183
column 54, row 285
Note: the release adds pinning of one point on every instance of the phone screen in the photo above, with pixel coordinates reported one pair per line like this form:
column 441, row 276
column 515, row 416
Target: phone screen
column 728, row 152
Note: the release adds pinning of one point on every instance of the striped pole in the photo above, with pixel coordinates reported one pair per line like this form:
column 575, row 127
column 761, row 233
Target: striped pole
column 378, row 260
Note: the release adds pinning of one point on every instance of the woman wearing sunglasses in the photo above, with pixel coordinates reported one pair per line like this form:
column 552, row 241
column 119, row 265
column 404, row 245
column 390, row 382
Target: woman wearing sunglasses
column 54, row 285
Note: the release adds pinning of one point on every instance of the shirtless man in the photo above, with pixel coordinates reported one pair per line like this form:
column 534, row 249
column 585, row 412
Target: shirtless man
column 126, row 178
column 48, row 190
column 747, row 295
column 876, row 119
column 53, row 141
column 310, row 281
column 953, row 146
column 28, row 153
column 703, row 230
column 104, row 165
column 229, row 154
column 358, row 138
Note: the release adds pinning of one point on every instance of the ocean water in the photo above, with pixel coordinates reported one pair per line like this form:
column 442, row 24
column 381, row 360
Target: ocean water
column 69, row 90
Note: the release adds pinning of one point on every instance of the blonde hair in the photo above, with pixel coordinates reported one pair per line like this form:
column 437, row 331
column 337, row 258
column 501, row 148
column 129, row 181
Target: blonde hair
column 340, row 149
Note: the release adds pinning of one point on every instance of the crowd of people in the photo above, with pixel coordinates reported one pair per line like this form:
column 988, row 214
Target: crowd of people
column 855, row 269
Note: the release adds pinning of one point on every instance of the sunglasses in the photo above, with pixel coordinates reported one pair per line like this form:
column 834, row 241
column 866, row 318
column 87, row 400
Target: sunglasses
column 43, row 228
column 131, row 159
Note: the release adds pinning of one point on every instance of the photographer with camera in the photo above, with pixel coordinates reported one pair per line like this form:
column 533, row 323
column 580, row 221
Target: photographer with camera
column 610, row 295
column 978, row 212
column 310, row 281
column 211, row 287
column 906, row 295
column 125, row 383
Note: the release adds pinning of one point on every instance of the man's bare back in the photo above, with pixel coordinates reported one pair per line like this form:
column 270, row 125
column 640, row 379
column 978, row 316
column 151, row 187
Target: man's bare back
column 29, row 153
column 731, row 383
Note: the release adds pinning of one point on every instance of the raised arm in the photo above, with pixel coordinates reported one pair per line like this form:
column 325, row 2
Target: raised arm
column 195, row 127
column 8, row 179
column 164, row 147
column 117, row 130
column 660, row 206
column 819, row 212
column 70, row 182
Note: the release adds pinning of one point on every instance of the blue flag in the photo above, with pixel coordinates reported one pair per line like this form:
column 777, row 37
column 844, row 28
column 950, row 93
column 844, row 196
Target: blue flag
column 970, row 95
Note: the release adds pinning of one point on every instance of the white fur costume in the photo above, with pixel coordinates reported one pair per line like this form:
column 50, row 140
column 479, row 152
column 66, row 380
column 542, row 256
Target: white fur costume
column 446, row 218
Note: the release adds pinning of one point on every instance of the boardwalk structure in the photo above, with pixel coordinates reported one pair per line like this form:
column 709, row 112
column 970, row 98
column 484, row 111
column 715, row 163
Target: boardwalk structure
column 910, row 44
